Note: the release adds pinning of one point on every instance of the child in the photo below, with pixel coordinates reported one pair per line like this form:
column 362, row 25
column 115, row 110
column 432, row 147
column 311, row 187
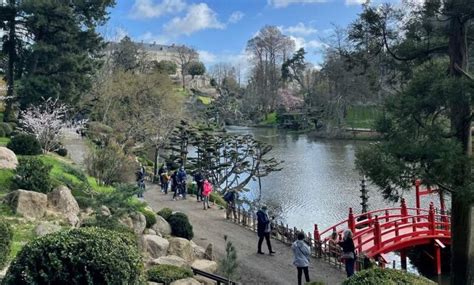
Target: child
column 206, row 192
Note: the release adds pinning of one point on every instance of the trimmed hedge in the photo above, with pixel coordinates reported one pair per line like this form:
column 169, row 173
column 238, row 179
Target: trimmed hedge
column 24, row 144
column 180, row 226
column 78, row 256
column 378, row 276
column 165, row 213
column 150, row 218
column 33, row 174
column 7, row 129
column 168, row 273
column 62, row 152
column 6, row 236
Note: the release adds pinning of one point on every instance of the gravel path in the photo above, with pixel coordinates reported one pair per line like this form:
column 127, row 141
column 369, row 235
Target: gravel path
column 210, row 227
column 76, row 146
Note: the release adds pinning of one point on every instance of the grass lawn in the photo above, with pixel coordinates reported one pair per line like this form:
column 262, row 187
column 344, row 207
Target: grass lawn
column 362, row 116
column 271, row 119
column 4, row 141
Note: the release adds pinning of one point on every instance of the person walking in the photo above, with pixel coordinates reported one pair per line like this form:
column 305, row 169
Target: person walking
column 263, row 230
column 160, row 176
column 230, row 197
column 174, row 184
column 199, row 179
column 206, row 193
column 140, row 175
column 181, row 179
column 165, row 179
column 302, row 253
column 348, row 252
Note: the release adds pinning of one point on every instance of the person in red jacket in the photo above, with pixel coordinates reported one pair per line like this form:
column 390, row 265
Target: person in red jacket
column 206, row 192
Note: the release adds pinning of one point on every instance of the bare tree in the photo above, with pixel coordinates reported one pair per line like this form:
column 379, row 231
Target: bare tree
column 184, row 56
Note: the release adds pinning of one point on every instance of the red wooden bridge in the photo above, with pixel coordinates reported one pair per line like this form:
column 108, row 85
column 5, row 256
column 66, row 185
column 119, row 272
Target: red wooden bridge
column 382, row 231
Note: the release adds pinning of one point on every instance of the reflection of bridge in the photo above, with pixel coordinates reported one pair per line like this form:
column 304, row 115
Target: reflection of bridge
column 394, row 229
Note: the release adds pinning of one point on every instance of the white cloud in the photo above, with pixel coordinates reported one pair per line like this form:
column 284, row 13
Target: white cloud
column 207, row 57
column 355, row 2
column 235, row 17
column 285, row 3
column 149, row 37
column 298, row 29
column 198, row 17
column 307, row 45
column 153, row 9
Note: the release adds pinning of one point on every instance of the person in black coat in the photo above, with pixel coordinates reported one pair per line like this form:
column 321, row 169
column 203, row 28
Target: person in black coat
column 199, row 178
column 348, row 252
column 263, row 230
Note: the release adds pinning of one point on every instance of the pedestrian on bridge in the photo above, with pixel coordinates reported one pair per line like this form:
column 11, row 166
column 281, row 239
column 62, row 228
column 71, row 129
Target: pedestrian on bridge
column 301, row 253
column 348, row 252
column 264, row 229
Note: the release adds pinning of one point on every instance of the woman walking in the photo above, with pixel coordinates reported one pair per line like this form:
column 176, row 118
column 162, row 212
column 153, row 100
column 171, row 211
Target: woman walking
column 348, row 252
column 206, row 192
column 301, row 253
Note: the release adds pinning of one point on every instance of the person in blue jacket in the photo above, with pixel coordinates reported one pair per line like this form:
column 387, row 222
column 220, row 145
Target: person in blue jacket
column 181, row 179
column 264, row 230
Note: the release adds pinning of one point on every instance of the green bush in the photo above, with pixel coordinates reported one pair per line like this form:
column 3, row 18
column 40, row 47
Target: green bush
column 6, row 236
column 62, row 152
column 78, row 256
column 378, row 276
column 2, row 133
column 24, row 144
column 109, row 223
column 180, row 226
column 150, row 218
column 165, row 213
column 168, row 273
column 7, row 129
column 33, row 174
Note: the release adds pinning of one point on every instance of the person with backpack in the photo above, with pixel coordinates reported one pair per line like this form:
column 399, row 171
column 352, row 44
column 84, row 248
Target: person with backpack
column 206, row 193
column 165, row 178
column 264, row 229
column 348, row 252
column 302, row 253
column 230, row 197
column 199, row 179
column 174, row 184
column 181, row 179
column 160, row 176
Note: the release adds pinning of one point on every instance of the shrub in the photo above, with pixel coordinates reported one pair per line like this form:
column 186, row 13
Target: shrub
column 150, row 218
column 62, row 151
column 168, row 273
column 7, row 129
column 33, row 174
column 180, row 226
column 378, row 276
column 24, row 144
column 6, row 236
column 78, row 256
column 2, row 133
column 165, row 213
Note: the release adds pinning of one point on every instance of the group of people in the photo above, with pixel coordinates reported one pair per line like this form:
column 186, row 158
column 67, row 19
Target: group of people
column 203, row 189
column 301, row 250
column 176, row 181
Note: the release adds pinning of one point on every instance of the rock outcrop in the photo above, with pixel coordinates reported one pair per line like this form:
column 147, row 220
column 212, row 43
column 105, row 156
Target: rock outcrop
column 8, row 159
column 138, row 222
column 181, row 247
column 171, row 260
column 62, row 201
column 186, row 281
column 199, row 252
column 205, row 265
column 161, row 226
column 29, row 204
column 45, row 228
column 155, row 246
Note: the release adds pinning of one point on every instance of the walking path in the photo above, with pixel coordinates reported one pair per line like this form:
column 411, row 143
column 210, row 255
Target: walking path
column 76, row 146
column 210, row 227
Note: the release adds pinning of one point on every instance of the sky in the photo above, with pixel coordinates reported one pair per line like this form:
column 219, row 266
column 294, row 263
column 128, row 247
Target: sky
column 219, row 29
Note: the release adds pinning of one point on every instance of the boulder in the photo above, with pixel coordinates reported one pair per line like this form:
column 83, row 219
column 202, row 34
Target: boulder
column 161, row 226
column 45, row 228
column 186, row 281
column 8, row 159
column 29, row 204
column 155, row 246
column 205, row 265
column 62, row 201
column 150, row 232
column 181, row 247
column 203, row 280
column 105, row 211
column 170, row 260
column 199, row 252
column 138, row 222
column 126, row 221
column 209, row 254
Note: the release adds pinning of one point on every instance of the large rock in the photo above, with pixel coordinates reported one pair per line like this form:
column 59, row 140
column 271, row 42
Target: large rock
column 181, row 247
column 209, row 254
column 45, row 228
column 162, row 226
column 205, row 265
column 29, row 204
column 8, row 159
column 204, row 281
column 199, row 252
column 170, row 260
column 138, row 222
column 187, row 281
column 62, row 201
column 155, row 246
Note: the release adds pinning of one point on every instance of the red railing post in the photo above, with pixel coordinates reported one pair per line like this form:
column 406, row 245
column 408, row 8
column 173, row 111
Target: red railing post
column 351, row 221
column 432, row 219
column 397, row 232
column 386, row 216
column 369, row 217
column 404, row 210
column 377, row 233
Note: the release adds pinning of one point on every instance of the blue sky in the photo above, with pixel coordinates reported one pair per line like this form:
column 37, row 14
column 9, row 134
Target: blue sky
column 220, row 29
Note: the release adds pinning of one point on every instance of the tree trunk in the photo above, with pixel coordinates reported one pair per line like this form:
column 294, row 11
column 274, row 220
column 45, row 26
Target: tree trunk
column 11, row 63
column 462, row 249
column 155, row 165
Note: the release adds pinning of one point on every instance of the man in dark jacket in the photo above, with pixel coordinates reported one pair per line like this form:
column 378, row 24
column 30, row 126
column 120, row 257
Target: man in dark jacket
column 181, row 179
column 199, row 183
column 263, row 229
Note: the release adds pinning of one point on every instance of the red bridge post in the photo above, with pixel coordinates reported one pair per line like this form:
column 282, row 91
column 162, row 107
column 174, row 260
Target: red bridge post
column 351, row 221
column 404, row 210
column 377, row 233
column 432, row 219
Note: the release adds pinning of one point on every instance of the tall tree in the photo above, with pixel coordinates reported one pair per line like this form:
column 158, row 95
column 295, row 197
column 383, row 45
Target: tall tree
column 428, row 127
column 196, row 68
column 184, row 56
column 126, row 55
